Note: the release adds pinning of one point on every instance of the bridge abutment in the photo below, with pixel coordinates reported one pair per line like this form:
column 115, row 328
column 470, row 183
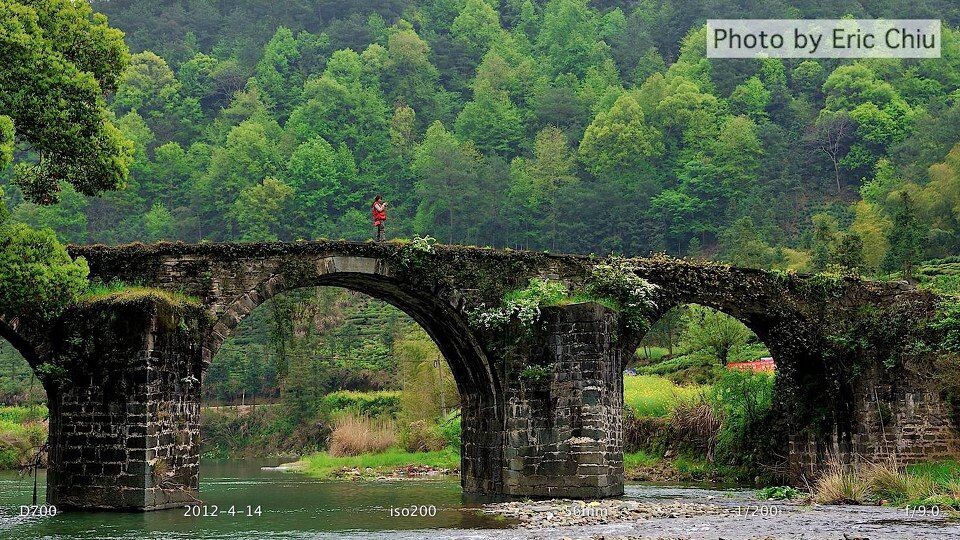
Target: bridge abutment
column 125, row 407
column 564, row 417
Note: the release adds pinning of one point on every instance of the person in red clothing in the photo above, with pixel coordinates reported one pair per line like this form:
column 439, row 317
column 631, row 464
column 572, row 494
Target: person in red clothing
column 379, row 215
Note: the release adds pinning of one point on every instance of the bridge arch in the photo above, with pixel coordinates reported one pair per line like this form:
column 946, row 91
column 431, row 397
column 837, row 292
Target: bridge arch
column 9, row 331
column 440, row 314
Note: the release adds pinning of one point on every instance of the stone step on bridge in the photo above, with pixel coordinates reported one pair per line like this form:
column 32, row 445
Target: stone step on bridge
column 541, row 391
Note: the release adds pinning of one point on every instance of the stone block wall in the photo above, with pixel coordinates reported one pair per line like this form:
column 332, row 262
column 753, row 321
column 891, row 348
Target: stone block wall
column 563, row 431
column 903, row 421
column 481, row 447
column 125, row 414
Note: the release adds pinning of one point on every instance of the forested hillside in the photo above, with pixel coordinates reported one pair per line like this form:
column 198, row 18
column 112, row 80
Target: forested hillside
column 564, row 125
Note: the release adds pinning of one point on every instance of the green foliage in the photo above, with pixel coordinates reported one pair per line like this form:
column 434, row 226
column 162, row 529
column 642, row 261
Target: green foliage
column 429, row 391
column 6, row 140
column 650, row 395
column 617, row 279
column 717, row 333
column 48, row 82
column 413, row 252
column 370, row 404
column 780, row 493
column 620, row 142
column 535, row 374
column 743, row 400
column 906, row 239
column 947, row 323
column 324, row 465
column 451, row 429
column 524, row 304
column 23, row 430
column 37, row 276
column 633, row 460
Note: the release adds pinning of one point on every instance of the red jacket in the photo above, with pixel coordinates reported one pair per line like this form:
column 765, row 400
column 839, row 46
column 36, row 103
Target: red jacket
column 379, row 213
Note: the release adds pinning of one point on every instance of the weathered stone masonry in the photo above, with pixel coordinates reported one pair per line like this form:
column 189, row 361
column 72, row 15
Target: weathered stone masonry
column 564, row 431
column 125, row 410
column 542, row 405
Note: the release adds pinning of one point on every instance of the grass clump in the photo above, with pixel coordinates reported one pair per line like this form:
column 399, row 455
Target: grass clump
column 780, row 493
column 23, row 414
column 325, row 465
column 355, row 435
column 635, row 460
column 649, row 395
column 122, row 293
column 840, row 484
column 886, row 482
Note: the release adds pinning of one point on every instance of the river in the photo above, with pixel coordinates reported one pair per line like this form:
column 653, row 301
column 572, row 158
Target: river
column 294, row 506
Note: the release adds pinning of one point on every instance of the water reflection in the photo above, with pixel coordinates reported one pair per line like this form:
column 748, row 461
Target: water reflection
column 291, row 505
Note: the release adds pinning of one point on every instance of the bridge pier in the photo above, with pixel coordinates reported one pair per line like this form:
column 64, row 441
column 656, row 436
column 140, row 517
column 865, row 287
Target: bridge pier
column 564, row 401
column 125, row 407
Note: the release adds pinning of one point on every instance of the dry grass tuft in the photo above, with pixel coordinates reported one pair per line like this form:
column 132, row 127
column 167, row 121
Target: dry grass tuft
column 885, row 482
column 840, row 484
column 695, row 426
column 129, row 294
column 355, row 435
column 888, row 481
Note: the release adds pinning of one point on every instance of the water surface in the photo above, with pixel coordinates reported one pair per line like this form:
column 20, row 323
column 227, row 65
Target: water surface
column 295, row 506
column 292, row 505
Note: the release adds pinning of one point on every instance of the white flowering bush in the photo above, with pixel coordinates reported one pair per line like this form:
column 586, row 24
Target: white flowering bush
column 523, row 304
column 415, row 249
column 423, row 244
column 617, row 279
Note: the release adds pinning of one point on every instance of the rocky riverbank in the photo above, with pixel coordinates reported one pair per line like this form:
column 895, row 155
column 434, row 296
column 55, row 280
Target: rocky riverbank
column 408, row 472
column 565, row 512
column 688, row 513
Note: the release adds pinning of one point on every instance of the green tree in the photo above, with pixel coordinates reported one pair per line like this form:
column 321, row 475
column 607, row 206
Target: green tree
column 447, row 171
column 48, row 82
column 150, row 88
column 715, row 332
column 808, row 77
column 249, row 155
column 477, row 26
column 848, row 253
column 158, row 223
column 326, row 184
column 870, row 224
column 537, row 181
column 743, row 245
column 38, row 279
column 339, row 108
column 568, row 37
column 619, row 142
column 408, row 72
column 277, row 74
column 906, row 238
column 6, row 140
column 260, row 210
column 824, row 241
column 492, row 122
column 750, row 98
column 737, row 157
column 68, row 218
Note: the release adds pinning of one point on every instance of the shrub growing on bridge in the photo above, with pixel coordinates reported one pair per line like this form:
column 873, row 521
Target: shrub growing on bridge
column 37, row 276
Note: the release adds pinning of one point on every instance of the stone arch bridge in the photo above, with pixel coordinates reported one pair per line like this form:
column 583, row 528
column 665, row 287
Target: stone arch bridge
column 541, row 403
